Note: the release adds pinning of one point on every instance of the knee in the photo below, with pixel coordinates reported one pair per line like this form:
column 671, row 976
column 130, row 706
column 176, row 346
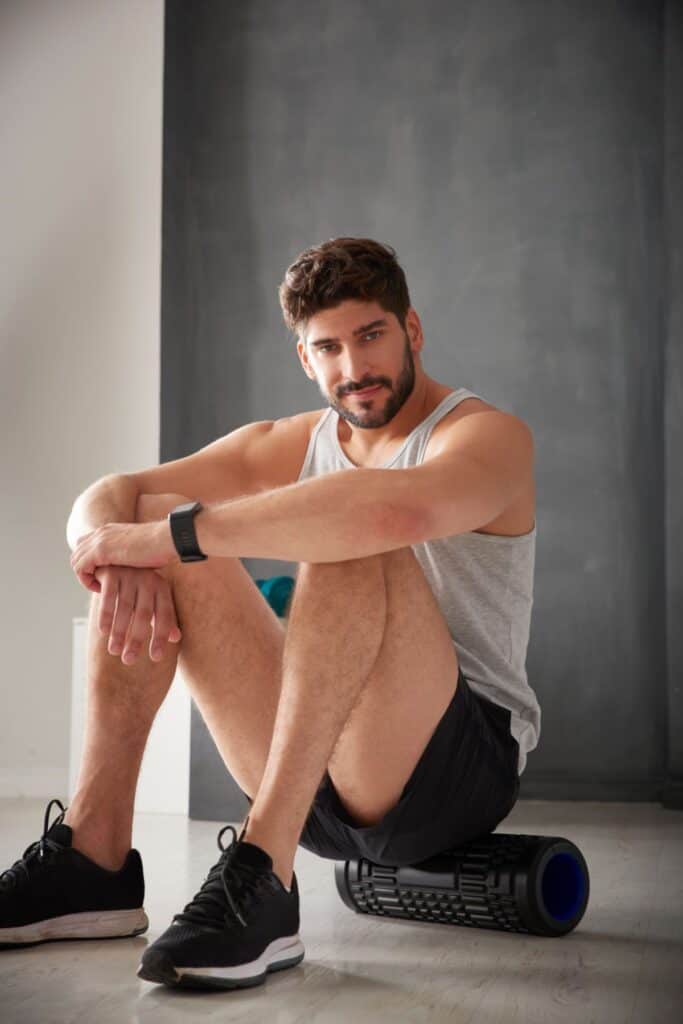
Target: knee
column 152, row 507
column 396, row 557
column 321, row 574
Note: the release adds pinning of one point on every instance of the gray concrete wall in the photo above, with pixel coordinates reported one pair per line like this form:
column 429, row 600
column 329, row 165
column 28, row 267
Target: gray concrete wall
column 673, row 794
column 514, row 155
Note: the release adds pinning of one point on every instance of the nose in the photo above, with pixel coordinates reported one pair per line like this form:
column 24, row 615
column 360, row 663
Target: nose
column 355, row 370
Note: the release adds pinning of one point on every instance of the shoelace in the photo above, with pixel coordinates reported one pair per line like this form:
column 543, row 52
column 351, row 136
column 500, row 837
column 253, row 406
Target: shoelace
column 36, row 851
column 226, row 890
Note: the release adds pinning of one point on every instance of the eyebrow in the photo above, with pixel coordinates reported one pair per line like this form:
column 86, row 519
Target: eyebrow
column 356, row 331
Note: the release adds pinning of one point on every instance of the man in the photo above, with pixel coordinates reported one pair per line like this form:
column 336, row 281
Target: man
column 390, row 719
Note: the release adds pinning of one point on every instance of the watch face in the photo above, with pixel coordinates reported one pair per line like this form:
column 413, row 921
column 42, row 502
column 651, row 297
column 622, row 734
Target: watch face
column 189, row 506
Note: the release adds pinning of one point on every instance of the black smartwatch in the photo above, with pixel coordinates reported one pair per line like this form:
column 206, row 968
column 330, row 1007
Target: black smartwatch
column 181, row 521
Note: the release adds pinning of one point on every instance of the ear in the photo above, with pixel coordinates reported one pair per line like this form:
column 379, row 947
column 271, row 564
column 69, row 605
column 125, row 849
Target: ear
column 414, row 330
column 303, row 358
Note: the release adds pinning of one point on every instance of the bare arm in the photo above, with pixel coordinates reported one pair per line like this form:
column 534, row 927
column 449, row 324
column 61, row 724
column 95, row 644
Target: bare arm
column 112, row 499
column 217, row 471
column 254, row 457
column 351, row 513
column 483, row 464
column 130, row 598
column 241, row 462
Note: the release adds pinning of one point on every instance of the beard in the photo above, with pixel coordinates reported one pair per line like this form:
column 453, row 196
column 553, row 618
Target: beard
column 378, row 416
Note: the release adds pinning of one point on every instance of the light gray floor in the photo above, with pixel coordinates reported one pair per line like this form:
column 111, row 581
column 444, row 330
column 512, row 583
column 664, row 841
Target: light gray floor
column 623, row 964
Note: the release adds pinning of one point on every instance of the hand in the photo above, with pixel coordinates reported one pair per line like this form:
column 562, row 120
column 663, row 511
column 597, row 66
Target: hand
column 137, row 545
column 131, row 599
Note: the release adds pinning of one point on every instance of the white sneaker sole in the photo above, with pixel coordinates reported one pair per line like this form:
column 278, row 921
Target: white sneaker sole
column 95, row 924
column 281, row 953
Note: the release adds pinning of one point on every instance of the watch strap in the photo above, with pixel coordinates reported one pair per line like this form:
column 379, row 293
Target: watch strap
column 181, row 522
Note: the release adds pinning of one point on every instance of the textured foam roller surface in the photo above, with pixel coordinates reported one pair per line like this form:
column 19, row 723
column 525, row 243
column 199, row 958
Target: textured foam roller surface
column 518, row 883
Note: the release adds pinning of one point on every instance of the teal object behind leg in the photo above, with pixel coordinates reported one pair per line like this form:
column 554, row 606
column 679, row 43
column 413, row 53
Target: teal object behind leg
column 277, row 591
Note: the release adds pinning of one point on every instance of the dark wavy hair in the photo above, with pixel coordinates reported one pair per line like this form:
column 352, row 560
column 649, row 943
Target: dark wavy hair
column 342, row 268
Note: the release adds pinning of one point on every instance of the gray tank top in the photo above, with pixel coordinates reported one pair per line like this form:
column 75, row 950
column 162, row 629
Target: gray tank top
column 483, row 583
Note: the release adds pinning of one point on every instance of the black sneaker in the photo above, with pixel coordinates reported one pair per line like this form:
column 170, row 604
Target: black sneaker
column 56, row 892
column 241, row 924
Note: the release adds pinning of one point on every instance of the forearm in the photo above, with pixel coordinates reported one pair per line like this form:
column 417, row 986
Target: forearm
column 112, row 499
column 353, row 513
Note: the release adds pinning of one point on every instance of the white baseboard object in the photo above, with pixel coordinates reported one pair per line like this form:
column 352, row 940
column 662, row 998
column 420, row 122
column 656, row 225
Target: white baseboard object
column 164, row 783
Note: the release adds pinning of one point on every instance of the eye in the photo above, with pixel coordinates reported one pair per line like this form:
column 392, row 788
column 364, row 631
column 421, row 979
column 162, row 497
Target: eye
column 370, row 334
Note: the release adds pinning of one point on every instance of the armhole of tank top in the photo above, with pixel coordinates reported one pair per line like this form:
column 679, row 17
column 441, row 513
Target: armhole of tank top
column 311, row 443
column 424, row 440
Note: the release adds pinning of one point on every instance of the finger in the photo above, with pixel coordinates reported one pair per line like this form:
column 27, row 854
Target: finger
column 162, row 625
column 84, row 565
column 175, row 634
column 110, row 589
column 125, row 606
column 89, row 581
column 78, row 554
column 139, row 625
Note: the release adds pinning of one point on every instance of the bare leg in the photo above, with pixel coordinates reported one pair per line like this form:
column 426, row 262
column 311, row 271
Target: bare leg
column 122, row 701
column 230, row 655
column 336, row 625
column 232, row 658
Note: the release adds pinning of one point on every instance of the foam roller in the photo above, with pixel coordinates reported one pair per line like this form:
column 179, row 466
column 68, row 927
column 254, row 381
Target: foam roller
column 513, row 883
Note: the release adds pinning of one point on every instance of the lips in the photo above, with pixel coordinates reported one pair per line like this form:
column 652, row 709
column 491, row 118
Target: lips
column 366, row 391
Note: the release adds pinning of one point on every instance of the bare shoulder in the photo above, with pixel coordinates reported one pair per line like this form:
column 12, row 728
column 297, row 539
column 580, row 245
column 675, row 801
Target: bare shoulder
column 445, row 432
column 279, row 455
column 473, row 421
column 257, row 456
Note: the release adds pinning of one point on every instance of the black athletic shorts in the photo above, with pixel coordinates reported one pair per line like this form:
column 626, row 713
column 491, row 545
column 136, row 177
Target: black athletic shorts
column 464, row 784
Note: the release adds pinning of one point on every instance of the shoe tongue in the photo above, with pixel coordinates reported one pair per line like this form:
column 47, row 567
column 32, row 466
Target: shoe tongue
column 61, row 834
column 253, row 855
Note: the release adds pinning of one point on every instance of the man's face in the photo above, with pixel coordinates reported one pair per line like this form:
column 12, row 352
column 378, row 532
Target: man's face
column 359, row 345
